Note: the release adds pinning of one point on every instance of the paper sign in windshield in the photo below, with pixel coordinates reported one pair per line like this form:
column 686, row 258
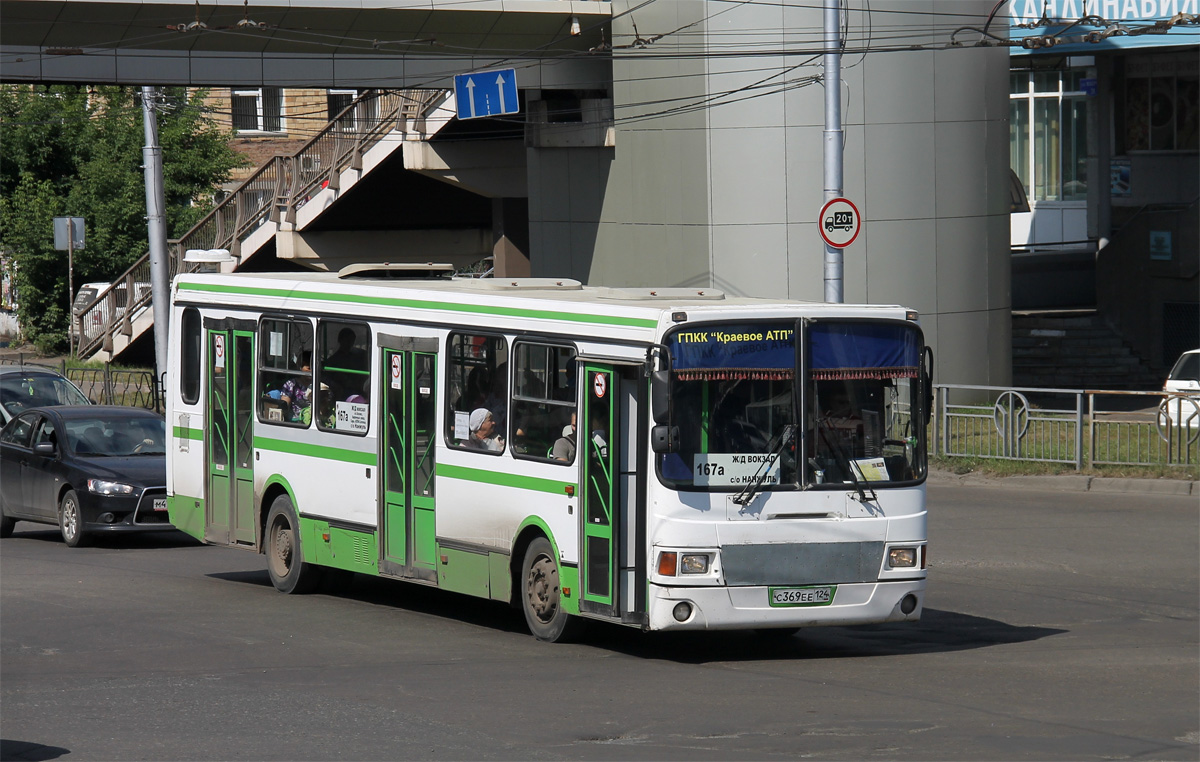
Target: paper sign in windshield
column 871, row 469
column 728, row 469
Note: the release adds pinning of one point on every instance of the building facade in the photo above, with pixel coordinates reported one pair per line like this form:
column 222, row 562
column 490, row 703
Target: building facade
column 1105, row 136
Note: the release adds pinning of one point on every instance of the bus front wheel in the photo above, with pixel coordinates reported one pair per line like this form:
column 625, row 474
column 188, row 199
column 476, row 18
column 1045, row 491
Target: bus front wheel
column 285, row 557
column 541, row 595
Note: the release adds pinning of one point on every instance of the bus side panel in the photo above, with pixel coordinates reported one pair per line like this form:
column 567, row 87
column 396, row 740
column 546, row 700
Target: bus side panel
column 186, row 470
column 326, row 483
column 483, row 500
column 339, row 547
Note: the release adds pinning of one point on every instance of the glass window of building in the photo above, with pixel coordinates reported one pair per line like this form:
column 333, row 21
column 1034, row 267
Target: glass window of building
column 257, row 109
column 1048, row 133
column 1158, row 103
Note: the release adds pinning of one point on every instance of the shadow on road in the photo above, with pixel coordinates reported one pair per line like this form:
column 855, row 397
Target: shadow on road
column 937, row 632
column 153, row 540
column 25, row 751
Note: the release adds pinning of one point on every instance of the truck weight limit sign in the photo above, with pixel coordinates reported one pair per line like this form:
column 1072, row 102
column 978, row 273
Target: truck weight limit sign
column 839, row 222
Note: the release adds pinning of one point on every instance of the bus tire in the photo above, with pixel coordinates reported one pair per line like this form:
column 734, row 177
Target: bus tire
column 541, row 595
column 70, row 521
column 285, row 556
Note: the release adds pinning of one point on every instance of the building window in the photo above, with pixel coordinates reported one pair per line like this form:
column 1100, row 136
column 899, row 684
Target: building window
column 285, row 376
column 1158, row 103
column 543, row 403
column 344, row 379
column 257, row 110
column 338, row 101
column 477, row 386
column 1048, row 133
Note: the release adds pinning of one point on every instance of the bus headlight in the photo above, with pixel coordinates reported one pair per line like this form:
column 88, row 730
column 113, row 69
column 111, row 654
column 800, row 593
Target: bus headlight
column 694, row 563
column 899, row 558
column 101, row 487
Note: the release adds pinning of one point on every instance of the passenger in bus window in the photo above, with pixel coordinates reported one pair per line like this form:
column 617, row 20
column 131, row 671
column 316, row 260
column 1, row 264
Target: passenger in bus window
column 478, row 383
column 297, row 392
column 483, row 431
column 564, row 447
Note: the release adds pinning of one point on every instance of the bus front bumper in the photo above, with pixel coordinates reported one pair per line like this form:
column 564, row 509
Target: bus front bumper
column 739, row 608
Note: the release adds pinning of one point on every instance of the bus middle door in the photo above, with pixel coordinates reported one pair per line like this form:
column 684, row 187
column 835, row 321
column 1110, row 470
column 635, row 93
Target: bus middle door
column 229, row 514
column 597, row 445
column 407, row 427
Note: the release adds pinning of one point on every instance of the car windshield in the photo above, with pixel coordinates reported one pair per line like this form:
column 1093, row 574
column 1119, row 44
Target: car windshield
column 733, row 399
column 1187, row 368
column 21, row 391
column 116, row 437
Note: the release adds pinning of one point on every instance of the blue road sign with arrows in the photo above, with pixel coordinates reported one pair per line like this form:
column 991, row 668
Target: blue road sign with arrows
column 486, row 93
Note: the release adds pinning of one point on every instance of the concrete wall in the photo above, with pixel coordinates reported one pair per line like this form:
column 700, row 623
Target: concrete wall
column 715, row 178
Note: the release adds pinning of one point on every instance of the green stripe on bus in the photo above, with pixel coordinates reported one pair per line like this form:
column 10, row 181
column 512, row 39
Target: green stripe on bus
column 315, row 451
column 420, row 304
column 182, row 433
column 502, row 479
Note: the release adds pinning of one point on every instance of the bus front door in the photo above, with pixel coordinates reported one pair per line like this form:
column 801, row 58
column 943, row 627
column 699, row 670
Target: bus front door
column 597, row 445
column 229, row 513
column 407, row 423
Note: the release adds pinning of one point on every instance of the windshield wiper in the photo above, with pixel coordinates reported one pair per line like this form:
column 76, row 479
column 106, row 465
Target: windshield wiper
column 844, row 461
column 754, row 486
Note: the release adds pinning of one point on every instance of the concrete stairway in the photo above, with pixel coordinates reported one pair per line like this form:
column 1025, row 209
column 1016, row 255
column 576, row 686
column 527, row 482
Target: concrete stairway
column 1074, row 349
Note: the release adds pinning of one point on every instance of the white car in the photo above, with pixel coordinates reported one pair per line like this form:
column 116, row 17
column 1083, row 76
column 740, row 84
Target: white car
column 1181, row 398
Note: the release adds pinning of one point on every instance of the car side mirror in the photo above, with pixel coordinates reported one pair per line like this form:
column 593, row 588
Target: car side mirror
column 660, row 384
column 44, row 448
column 664, row 439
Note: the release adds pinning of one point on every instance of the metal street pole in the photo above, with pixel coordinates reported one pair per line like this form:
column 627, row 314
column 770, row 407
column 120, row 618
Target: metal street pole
column 70, row 289
column 833, row 138
column 156, row 224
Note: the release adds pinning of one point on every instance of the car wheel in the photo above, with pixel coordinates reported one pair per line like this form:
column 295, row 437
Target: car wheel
column 6, row 525
column 541, row 596
column 285, row 556
column 70, row 520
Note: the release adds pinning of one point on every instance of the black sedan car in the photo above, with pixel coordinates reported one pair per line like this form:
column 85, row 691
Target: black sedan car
column 88, row 469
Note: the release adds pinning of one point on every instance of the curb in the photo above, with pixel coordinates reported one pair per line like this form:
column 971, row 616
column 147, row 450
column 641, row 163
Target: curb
column 1071, row 483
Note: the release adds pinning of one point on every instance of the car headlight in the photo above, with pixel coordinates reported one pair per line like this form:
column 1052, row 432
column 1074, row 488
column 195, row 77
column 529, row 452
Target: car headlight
column 101, row 487
column 899, row 558
column 694, row 563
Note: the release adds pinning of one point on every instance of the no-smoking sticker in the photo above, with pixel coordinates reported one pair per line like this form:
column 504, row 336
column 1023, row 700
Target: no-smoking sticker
column 395, row 371
column 600, row 384
column 219, row 351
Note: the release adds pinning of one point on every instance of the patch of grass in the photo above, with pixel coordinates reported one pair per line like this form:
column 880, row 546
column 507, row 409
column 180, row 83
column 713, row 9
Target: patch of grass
column 1001, row 468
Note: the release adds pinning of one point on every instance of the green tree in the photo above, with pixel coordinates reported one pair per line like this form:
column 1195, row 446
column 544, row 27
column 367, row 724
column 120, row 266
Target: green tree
column 70, row 151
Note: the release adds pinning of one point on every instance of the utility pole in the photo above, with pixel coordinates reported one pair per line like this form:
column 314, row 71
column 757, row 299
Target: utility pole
column 156, row 224
column 833, row 138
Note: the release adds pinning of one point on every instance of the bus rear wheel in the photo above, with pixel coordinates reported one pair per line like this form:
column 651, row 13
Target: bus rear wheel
column 285, row 557
column 541, row 595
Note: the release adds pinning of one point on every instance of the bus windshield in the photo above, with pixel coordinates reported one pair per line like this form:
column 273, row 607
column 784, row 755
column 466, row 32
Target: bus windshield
column 736, row 404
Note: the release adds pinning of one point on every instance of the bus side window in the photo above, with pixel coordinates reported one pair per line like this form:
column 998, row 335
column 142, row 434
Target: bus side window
column 344, row 376
column 189, row 371
column 285, row 375
column 543, row 403
column 476, row 379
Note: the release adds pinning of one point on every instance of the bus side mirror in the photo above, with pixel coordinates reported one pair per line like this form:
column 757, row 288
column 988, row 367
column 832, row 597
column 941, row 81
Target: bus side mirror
column 660, row 383
column 664, row 439
column 927, row 383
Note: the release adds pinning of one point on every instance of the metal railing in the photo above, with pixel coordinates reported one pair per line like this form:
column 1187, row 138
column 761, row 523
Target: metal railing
column 1081, row 427
column 106, row 385
column 273, row 193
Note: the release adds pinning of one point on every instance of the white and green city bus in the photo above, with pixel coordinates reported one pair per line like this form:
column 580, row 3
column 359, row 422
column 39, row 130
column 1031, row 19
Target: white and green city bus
column 668, row 459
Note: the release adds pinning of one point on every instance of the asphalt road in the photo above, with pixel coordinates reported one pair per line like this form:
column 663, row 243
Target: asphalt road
column 1058, row 626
